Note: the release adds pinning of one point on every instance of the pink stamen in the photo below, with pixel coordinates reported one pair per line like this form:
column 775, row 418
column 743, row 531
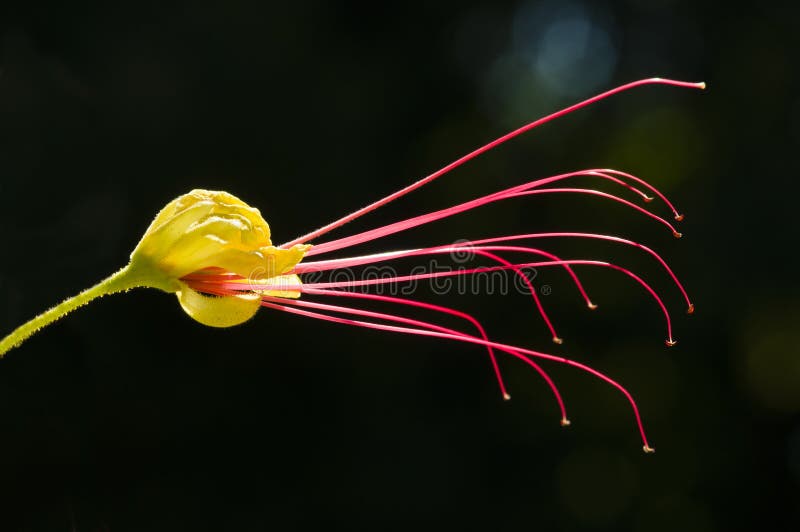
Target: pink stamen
column 603, row 173
column 512, row 350
column 512, row 192
column 690, row 305
column 675, row 213
column 422, row 276
column 217, row 290
column 368, row 259
column 483, row 250
column 670, row 341
column 399, row 319
column 324, row 265
column 453, row 312
column 531, row 289
column 483, row 149
column 567, row 267
column 590, row 192
column 428, row 325
column 580, row 173
column 622, row 183
column 570, row 175
column 216, row 281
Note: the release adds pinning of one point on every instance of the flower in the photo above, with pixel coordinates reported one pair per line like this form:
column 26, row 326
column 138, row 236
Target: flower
column 213, row 231
column 214, row 252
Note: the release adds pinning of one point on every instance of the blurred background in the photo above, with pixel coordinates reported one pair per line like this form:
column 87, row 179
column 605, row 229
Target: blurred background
column 130, row 416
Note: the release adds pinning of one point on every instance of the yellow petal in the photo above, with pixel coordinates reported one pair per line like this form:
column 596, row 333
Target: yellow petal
column 218, row 200
column 214, row 311
column 213, row 229
column 280, row 261
column 283, row 280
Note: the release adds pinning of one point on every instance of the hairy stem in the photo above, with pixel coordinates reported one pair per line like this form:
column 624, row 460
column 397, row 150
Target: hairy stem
column 123, row 280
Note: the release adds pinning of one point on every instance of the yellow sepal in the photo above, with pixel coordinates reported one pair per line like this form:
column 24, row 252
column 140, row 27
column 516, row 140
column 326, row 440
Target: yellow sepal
column 207, row 228
column 215, row 311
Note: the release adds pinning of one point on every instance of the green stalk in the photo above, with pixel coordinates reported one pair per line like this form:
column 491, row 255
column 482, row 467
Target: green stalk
column 123, row 280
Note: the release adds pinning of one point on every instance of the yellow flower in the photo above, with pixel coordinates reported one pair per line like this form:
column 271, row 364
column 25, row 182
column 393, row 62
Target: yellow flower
column 202, row 233
column 205, row 230
column 214, row 252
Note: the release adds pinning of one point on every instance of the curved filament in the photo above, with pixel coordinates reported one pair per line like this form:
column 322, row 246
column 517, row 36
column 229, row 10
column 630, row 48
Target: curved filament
column 432, row 275
column 512, row 192
column 512, row 350
column 483, row 149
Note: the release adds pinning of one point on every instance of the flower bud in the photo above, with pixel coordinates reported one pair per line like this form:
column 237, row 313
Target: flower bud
column 211, row 229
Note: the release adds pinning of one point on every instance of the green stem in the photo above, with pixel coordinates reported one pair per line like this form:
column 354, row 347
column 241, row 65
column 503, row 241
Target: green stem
column 123, row 280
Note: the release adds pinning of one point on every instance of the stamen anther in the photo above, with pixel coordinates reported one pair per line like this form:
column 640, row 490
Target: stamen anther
column 690, row 310
column 565, row 422
column 670, row 342
column 647, row 199
column 677, row 234
column 557, row 340
column 648, row 450
column 592, row 306
column 679, row 217
column 506, row 397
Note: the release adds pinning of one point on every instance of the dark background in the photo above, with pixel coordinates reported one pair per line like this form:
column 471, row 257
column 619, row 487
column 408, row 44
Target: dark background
column 129, row 416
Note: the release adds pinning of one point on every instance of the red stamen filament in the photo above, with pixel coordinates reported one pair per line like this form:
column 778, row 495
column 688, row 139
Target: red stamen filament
column 290, row 306
column 252, row 285
column 512, row 192
column 483, row 250
column 426, row 325
column 483, row 149
column 368, row 259
column 453, row 312
column 675, row 232
column 218, row 282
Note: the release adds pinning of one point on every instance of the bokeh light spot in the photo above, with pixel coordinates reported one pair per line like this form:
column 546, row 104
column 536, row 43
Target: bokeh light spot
column 568, row 46
column 560, row 51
